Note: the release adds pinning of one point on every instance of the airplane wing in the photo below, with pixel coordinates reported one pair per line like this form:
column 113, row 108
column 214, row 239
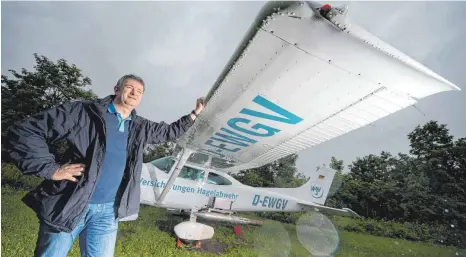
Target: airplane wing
column 299, row 79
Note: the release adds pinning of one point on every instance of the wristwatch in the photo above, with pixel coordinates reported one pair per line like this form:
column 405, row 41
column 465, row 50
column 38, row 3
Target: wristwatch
column 194, row 113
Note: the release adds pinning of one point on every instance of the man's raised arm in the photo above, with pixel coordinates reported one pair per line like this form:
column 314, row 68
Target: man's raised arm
column 163, row 132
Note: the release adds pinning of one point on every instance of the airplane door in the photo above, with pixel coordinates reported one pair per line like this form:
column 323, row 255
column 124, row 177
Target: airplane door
column 185, row 190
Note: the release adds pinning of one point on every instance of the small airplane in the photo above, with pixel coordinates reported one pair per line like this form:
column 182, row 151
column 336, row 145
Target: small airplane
column 302, row 75
column 214, row 195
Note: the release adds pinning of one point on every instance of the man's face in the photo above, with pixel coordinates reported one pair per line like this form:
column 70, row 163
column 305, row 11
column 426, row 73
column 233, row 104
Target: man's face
column 131, row 93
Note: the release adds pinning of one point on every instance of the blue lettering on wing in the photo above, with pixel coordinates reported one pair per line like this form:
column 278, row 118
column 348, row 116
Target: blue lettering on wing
column 269, row 131
column 289, row 117
column 233, row 138
column 258, row 130
column 269, row 202
column 221, row 146
column 210, row 151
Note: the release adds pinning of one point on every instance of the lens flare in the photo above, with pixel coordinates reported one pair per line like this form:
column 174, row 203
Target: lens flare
column 317, row 234
column 272, row 240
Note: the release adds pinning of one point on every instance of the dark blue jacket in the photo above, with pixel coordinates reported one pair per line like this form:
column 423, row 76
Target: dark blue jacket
column 61, row 203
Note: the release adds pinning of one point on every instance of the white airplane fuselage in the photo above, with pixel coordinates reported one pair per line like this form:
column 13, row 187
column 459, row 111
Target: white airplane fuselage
column 196, row 187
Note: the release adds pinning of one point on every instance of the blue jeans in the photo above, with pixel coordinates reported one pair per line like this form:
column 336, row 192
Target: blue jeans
column 97, row 231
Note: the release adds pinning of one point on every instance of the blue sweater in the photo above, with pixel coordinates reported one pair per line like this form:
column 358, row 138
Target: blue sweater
column 113, row 165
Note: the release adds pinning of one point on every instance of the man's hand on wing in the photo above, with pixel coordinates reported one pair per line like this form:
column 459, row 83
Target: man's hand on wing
column 199, row 107
column 69, row 172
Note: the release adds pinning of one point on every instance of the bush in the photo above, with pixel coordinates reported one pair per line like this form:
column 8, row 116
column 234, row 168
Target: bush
column 434, row 233
column 412, row 231
column 11, row 176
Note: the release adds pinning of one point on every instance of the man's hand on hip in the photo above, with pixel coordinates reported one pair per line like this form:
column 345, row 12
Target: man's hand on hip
column 68, row 172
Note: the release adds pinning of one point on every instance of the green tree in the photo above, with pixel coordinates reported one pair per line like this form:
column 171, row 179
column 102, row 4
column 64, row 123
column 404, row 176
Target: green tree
column 285, row 171
column 48, row 85
column 154, row 152
column 443, row 169
column 338, row 166
column 279, row 173
column 425, row 141
column 373, row 168
column 252, row 179
column 298, row 180
column 258, row 177
column 426, row 186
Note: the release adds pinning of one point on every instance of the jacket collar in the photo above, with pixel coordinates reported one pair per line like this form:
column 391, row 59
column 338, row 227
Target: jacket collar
column 104, row 103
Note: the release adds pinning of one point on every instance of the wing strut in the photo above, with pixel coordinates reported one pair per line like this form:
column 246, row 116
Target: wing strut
column 180, row 162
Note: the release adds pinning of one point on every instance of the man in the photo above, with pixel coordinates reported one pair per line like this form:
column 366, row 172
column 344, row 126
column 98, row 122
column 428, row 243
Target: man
column 96, row 185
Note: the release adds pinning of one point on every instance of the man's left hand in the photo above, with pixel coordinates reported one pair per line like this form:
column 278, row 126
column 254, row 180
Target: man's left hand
column 199, row 105
column 199, row 108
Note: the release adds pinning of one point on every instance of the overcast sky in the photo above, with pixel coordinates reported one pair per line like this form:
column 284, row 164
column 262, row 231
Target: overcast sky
column 179, row 48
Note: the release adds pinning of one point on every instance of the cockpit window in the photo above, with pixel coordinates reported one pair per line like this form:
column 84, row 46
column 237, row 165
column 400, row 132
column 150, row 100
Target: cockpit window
column 191, row 174
column 165, row 164
column 216, row 179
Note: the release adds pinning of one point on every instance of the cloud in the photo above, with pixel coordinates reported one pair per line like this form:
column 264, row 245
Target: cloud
column 173, row 52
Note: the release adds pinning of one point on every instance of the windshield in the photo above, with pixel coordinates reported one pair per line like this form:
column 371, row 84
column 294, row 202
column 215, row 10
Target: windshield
column 164, row 164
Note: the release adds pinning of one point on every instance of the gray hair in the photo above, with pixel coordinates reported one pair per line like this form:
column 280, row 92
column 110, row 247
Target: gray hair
column 121, row 82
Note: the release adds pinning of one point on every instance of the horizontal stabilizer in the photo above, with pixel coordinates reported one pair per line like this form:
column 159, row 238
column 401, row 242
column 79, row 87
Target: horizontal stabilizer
column 329, row 210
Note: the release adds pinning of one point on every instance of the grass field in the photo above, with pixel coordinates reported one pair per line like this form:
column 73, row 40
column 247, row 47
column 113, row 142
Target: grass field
column 151, row 235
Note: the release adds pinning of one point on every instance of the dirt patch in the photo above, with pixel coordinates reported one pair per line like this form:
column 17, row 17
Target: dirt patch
column 210, row 246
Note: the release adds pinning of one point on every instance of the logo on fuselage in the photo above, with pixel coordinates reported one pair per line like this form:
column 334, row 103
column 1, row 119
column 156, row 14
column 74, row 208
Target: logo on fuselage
column 317, row 190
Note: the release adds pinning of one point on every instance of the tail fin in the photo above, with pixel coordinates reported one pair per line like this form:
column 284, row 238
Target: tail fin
column 317, row 188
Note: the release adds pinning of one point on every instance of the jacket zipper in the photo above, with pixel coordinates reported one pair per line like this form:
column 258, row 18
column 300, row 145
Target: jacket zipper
column 128, row 147
column 104, row 125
